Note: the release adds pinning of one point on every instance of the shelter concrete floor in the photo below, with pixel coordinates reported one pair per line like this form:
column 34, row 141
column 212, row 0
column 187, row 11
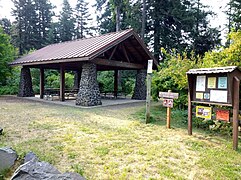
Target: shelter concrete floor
column 106, row 102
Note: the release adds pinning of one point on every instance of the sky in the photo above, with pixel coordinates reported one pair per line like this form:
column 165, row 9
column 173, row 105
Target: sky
column 217, row 6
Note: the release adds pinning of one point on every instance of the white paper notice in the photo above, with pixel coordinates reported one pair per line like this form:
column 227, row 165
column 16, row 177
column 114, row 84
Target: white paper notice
column 218, row 96
column 200, row 83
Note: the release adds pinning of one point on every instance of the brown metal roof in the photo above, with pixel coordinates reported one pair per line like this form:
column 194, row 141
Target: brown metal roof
column 79, row 50
column 226, row 69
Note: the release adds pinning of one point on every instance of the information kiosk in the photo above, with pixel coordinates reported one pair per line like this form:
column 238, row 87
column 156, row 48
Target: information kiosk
column 214, row 86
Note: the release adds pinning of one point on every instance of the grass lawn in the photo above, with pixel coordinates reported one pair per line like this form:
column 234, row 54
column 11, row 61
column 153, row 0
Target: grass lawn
column 116, row 143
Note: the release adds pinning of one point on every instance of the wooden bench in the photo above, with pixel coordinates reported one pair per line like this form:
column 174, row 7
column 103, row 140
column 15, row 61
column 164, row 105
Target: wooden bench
column 51, row 93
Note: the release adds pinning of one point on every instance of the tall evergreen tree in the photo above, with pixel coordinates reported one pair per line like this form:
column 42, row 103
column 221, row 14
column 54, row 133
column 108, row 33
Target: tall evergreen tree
column 181, row 25
column 143, row 23
column 66, row 22
column 32, row 23
column 53, row 33
column 44, row 10
column 6, row 25
column 26, row 21
column 105, row 21
column 234, row 14
column 82, row 19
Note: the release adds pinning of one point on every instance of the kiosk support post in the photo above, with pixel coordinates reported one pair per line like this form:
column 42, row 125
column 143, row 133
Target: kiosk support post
column 236, row 83
column 189, row 114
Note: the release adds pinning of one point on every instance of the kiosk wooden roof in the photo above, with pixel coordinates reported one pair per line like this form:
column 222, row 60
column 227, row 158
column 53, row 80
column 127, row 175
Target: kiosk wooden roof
column 118, row 50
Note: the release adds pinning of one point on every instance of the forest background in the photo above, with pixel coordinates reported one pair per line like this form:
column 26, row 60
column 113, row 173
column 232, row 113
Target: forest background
column 178, row 33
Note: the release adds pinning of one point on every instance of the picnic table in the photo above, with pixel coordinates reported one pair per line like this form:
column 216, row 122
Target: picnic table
column 51, row 93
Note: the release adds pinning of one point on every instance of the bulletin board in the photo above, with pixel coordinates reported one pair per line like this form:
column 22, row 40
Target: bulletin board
column 212, row 89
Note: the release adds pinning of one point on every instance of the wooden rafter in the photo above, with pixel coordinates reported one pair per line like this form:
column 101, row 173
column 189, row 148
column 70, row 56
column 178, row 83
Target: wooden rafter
column 125, row 53
column 106, row 62
column 113, row 52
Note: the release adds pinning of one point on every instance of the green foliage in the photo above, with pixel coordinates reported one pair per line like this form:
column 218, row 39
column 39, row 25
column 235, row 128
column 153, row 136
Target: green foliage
column 66, row 22
column 32, row 22
column 234, row 14
column 106, row 81
column 229, row 56
column 12, row 83
column 128, row 79
column 53, row 79
column 82, row 18
column 78, row 169
column 7, row 54
column 171, row 73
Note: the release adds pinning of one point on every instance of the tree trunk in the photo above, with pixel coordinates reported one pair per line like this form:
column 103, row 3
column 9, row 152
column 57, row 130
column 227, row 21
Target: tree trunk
column 143, row 24
column 117, row 11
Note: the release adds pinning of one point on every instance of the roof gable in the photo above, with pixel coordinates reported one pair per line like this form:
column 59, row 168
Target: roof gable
column 79, row 50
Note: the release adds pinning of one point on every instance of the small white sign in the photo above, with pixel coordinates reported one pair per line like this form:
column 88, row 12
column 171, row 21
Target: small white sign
column 200, row 83
column 149, row 67
column 218, row 96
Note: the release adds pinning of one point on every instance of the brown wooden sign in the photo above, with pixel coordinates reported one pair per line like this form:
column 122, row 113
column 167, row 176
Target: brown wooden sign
column 169, row 95
column 168, row 103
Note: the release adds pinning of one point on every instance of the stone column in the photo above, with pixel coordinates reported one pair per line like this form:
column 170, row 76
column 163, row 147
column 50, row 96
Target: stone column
column 89, row 93
column 25, row 84
column 77, row 76
column 140, row 86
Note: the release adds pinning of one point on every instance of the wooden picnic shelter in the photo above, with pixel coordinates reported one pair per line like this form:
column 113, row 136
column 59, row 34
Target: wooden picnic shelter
column 123, row 50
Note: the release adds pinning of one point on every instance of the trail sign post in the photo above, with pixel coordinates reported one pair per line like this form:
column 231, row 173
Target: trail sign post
column 148, row 90
column 168, row 102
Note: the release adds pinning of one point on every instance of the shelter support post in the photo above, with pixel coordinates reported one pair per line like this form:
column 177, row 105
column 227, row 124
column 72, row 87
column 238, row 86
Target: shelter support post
column 236, row 84
column 115, row 83
column 41, row 86
column 140, row 85
column 25, row 84
column 89, row 93
column 77, row 76
column 62, row 83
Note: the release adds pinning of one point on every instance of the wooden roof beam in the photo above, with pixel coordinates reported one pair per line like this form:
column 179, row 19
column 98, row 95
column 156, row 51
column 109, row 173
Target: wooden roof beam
column 113, row 52
column 106, row 62
column 125, row 53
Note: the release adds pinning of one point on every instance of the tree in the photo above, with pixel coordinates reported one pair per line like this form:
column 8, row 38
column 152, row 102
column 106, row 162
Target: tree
column 82, row 19
column 7, row 54
column 6, row 25
column 53, row 34
column 26, row 20
column 66, row 22
column 143, row 24
column 105, row 21
column 180, row 25
column 204, row 37
column 32, row 23
column 44, row 11
column 234, row 14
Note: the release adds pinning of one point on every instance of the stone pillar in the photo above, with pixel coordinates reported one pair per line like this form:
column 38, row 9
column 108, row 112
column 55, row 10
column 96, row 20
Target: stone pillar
column 25, row 84
column 140, row 86
column 77, row 76
column 89, row 93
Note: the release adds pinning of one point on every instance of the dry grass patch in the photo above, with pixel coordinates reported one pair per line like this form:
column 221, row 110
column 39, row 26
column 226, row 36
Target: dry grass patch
column 114, row 144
